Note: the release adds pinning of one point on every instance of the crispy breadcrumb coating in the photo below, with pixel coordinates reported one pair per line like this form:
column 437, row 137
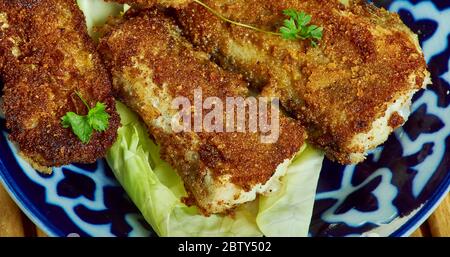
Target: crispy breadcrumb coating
column 45, row 56
column 151, row 64
column 151, row 3
column 350, row 92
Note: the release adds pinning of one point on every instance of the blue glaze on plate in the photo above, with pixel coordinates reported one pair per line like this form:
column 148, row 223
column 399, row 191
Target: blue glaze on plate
column 390, row 194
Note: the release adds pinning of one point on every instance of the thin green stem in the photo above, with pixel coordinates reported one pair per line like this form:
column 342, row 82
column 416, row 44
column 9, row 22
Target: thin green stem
column 82, row 99
column 216, row 13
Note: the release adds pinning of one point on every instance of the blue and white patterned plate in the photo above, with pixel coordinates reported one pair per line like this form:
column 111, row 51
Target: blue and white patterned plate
column 390, row 194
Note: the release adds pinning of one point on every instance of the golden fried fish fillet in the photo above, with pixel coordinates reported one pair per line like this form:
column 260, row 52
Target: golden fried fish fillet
column 45, row 56
column 150, row 3
column 152, row 64
column 350, row 92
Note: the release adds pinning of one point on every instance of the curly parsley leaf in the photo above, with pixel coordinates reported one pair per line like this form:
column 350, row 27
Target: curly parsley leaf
column 297, row 27
column 83, row 126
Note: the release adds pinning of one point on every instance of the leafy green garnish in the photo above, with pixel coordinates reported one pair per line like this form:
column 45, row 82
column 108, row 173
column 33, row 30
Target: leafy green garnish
column 83, row 126
column 79, row 124
column 98, row 118
column 297, row 27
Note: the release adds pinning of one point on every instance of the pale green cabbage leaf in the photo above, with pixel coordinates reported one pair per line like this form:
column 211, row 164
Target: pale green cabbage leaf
column 288, row 212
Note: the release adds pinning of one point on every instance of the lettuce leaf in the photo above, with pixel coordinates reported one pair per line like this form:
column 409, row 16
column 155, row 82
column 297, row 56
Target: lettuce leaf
column 156, row 190
column 288, row 212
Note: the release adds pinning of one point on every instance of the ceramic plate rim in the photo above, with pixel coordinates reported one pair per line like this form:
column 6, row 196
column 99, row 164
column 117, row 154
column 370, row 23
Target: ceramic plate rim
column 406, row 229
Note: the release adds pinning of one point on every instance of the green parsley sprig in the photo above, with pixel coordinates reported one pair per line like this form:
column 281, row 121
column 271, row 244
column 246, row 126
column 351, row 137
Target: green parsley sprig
column 295, row 28
column 83, row 126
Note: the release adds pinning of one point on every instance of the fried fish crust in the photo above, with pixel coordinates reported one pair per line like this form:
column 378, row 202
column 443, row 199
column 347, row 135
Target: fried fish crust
column 152, row 3
column 350, row 92
column 152, row 64
column 45, row 56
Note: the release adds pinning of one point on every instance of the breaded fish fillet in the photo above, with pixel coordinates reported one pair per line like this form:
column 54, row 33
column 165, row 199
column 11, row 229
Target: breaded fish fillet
column 45, row 56
column 150, row 3
column 350, row 92
column 151, row 64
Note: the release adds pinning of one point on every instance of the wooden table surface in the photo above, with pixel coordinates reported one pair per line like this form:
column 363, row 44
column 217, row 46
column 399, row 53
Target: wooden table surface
column 14, row 223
